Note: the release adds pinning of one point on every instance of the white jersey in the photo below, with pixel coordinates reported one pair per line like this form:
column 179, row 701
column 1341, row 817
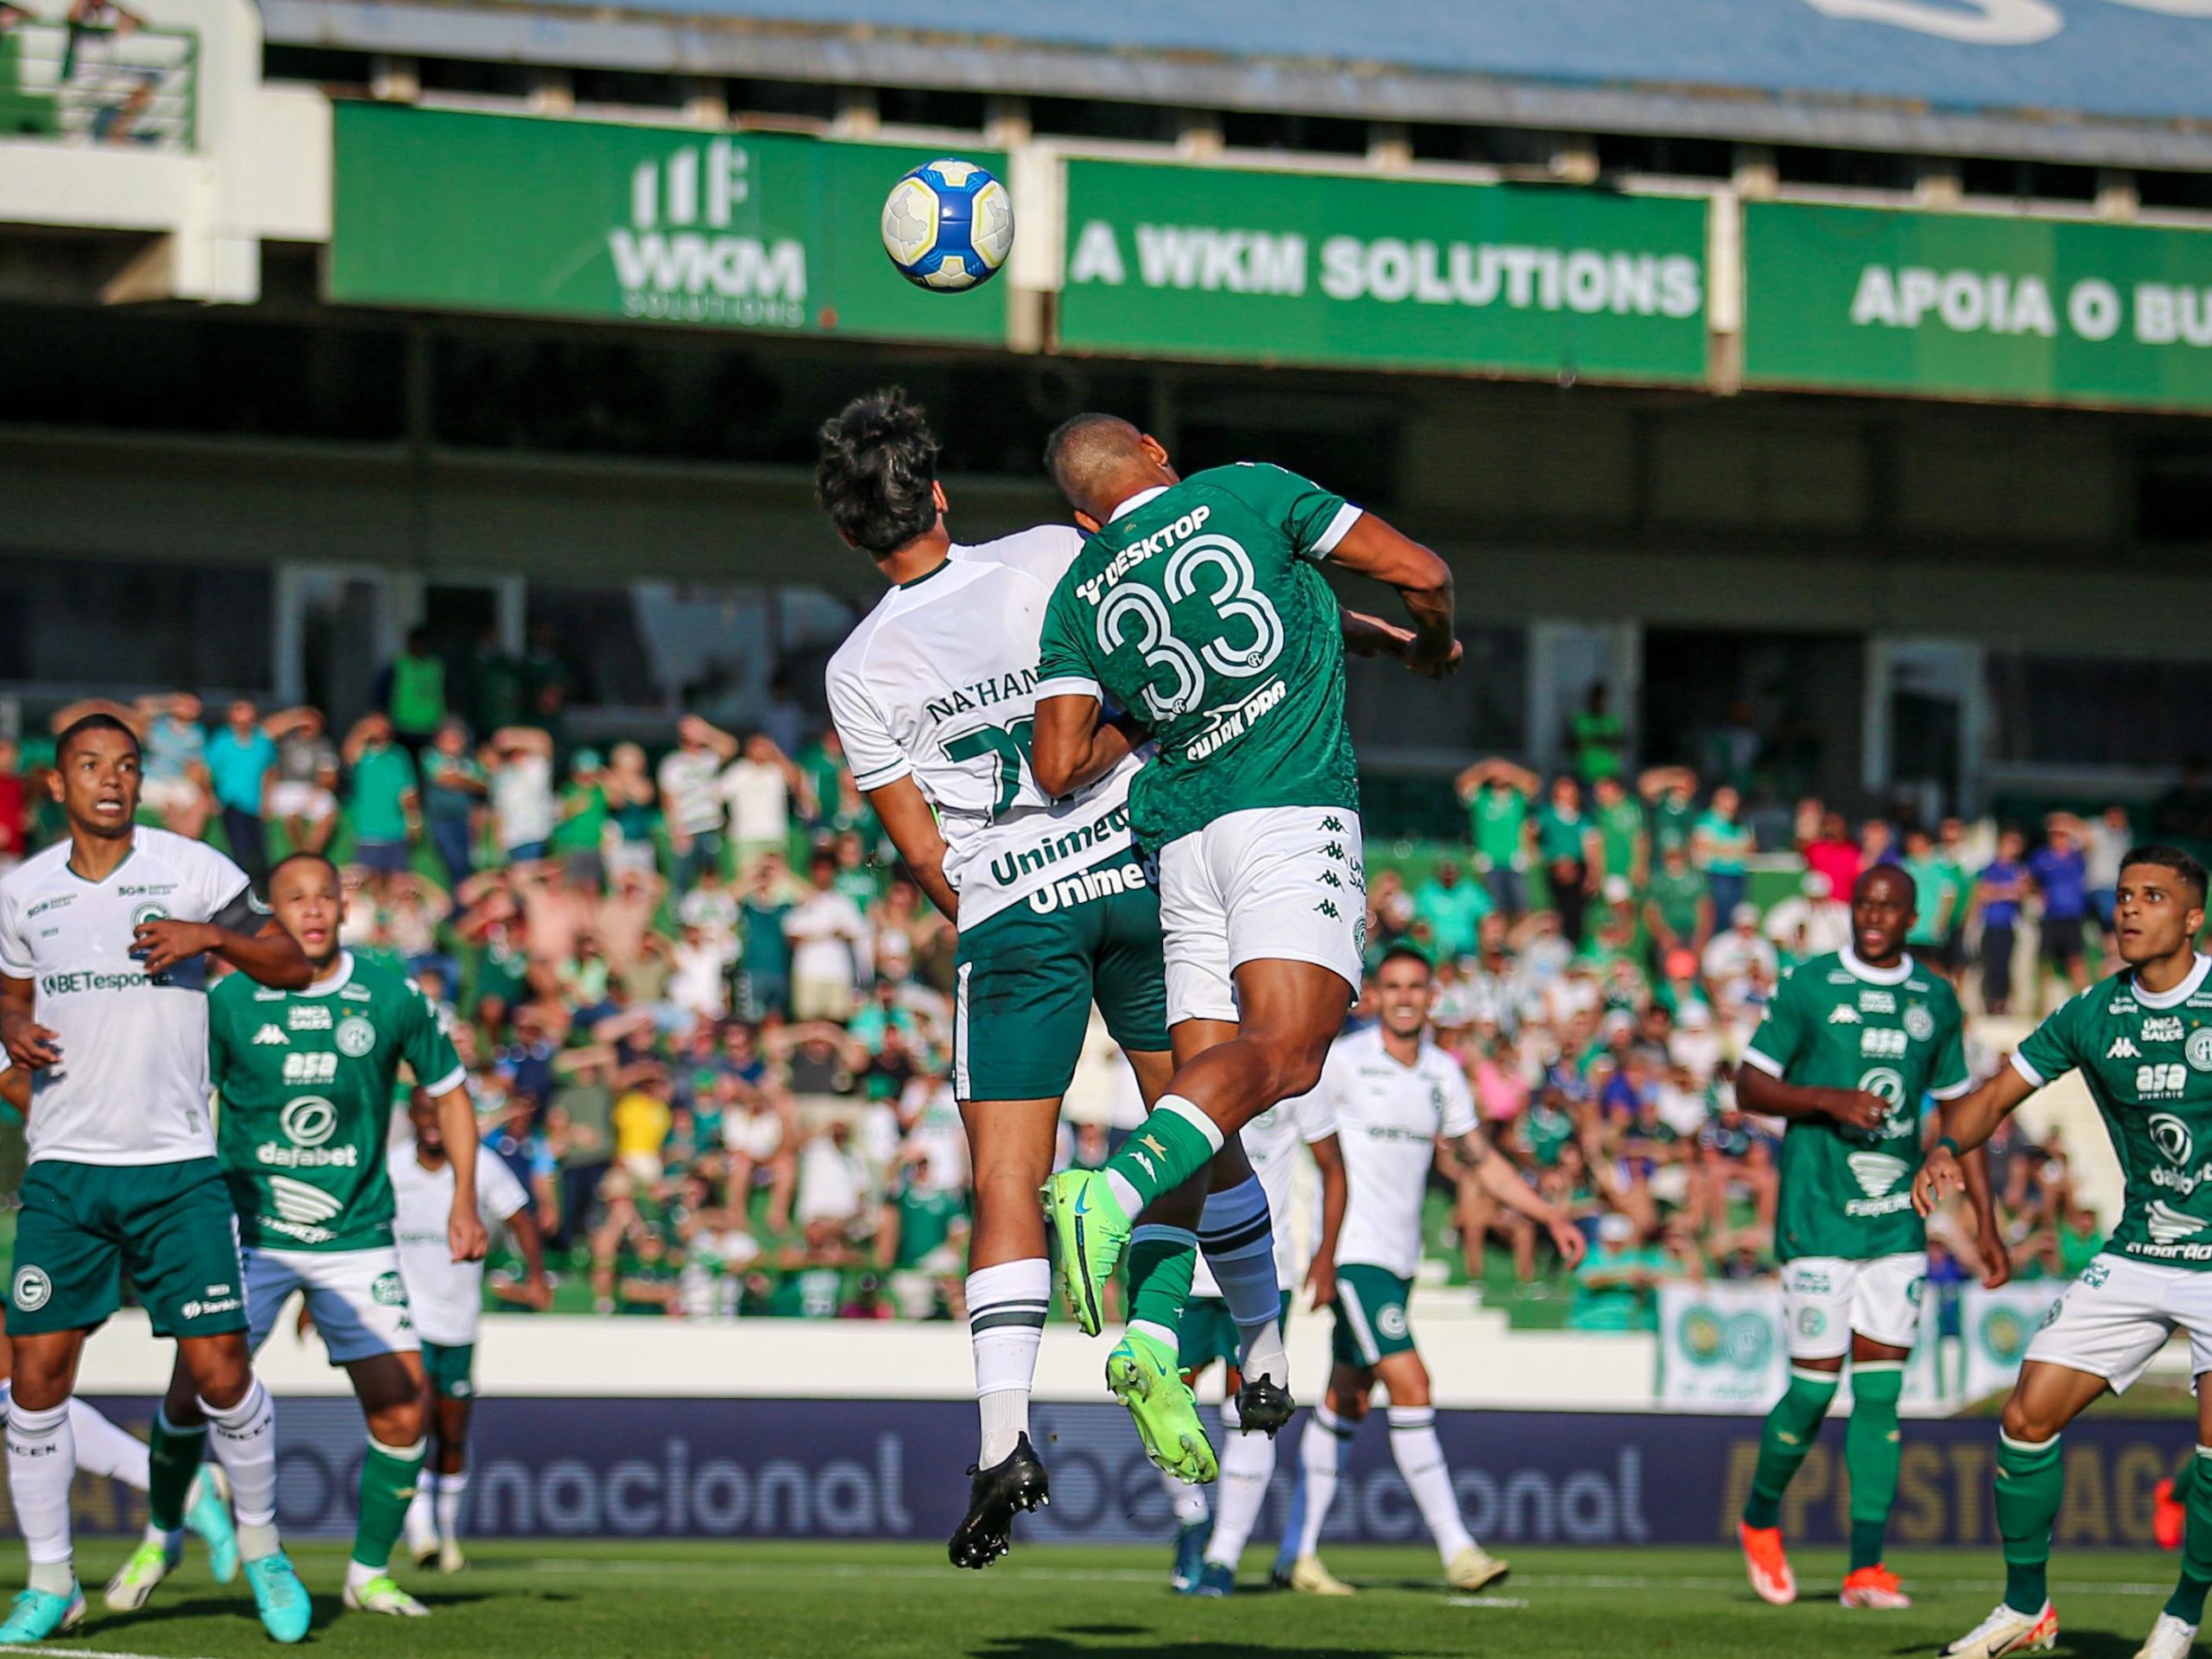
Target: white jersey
column 448, row 1296
column 1387, row 1117
column 1271, row 1144
column 132, row 1084
column 938, row 683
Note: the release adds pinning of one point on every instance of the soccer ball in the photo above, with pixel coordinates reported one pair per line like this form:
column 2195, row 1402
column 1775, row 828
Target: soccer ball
column 948, row 225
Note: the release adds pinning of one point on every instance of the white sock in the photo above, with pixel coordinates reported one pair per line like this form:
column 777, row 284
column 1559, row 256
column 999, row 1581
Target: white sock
column 1421, row 1461
column 1006, row 1326
column 421, row 1527
column 1237, row 1235
column 104, row 1450
column 1320, row 1449
column 452, row 1489
column 1247, row 1463
column 1186, row 1502
column 244, row 1440
column 42, row 1462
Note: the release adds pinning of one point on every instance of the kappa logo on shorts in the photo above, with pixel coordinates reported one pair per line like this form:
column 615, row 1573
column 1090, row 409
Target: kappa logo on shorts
column 1328, row 908
column 33, row 1289
column 1391, row 1321
column 356, row 1036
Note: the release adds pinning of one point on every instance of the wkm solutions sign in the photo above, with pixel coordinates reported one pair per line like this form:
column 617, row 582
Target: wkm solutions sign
column 442, row 210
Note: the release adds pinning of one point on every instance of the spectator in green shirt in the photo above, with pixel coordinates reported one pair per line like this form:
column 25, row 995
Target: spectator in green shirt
column 580, row 832
column 381, row 801
column 1497, row 794
column 1671, row 794
column 1932, row 896
column 1453, row 910
column 1678, row 913
column 1599, row 740
column 1721, row 847
column 414, row 691
column 1621, row 838
column 1569, row 848
column 1617, row 1286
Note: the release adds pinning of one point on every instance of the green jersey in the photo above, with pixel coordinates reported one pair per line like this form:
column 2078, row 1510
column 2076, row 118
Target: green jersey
column 1200, row 609
column 1673, row 817
column 1619, row 827
column 1498, row 815
column 305, row 1080
column 1837, row 1023
column 2147, row 1060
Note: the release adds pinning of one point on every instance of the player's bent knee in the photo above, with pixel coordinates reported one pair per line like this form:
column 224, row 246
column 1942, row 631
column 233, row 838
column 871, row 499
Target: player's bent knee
column 2029, row 1422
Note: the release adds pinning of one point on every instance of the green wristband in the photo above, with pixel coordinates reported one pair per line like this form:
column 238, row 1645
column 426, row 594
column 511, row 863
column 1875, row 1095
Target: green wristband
column 1946, row 1144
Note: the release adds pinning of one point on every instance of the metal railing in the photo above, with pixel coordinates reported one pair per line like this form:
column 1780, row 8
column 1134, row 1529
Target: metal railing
column 129, row 87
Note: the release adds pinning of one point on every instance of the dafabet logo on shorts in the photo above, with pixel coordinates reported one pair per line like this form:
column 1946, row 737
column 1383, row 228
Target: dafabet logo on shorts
column 33, row 1289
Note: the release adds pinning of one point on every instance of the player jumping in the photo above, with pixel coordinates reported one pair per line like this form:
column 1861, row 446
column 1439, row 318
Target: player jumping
column 447, row 1297
column 2142, row 1041
column 306, row 1079
column 1852, row 1043
column 103, row 976
column 933, row 695
column 1392, row 1097
column 1199, row 605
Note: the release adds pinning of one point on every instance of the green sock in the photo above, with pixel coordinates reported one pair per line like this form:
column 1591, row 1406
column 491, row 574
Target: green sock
column 2185, row 1477
column 2187, row 1602
column 1784, row 1439
column 1161, row 1261
column 173, row 1459
column 2030, row 1484
column 1171, row 1146
column 388, row 1477
column 1871, row 1456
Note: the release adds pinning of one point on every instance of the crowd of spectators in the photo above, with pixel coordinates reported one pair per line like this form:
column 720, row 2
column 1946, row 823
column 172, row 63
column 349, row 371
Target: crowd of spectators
column 708, row 1018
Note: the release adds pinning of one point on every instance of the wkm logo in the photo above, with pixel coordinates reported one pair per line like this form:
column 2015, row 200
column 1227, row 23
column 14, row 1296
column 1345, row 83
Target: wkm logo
column 678, row 258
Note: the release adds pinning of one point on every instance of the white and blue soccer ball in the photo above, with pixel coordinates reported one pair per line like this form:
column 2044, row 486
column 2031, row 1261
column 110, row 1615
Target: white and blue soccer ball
column 948, row 225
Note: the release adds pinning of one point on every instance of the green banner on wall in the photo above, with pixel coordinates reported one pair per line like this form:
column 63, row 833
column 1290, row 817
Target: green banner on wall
column 541, row 217
column 1251, row 266
column 1959, row 305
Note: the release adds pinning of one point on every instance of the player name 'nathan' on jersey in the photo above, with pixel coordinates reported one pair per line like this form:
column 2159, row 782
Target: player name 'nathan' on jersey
column 2147, row 1060
column 131, row 1087
column 1387, row 1117
column 1836, row 1022
column 1199, row 609
column 306, row 1083
column 938, row 683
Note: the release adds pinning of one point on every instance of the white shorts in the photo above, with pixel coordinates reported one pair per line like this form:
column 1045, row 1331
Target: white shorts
column 2116, row 1317
column 357, row 1299
column 1274, row 883
column 310, row 803
column 1826, row 1298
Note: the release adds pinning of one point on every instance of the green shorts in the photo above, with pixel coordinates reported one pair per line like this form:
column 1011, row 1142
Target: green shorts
column 1207, row 1333
column 1371, row 1323
column 451, row 1370
column 1026, row 979
column 169, row 1226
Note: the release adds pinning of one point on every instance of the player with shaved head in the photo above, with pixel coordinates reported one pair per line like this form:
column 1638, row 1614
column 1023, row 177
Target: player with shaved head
column 1854, row 1043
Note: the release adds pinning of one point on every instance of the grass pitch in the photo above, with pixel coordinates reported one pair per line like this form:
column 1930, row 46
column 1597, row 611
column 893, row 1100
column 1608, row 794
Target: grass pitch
column 870, row 1601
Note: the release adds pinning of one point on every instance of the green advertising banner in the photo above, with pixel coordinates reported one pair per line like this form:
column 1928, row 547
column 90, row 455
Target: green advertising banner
column 1953, row 304
column 1310, row 267
column 543, row 217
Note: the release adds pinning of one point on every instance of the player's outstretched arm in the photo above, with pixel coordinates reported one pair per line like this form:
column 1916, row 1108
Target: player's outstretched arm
column 1988, row 1238
column 530, row 1244
column 1498, row 1177
column 1064, row 744
column 1372, row 548
column 906, row 815
column 268, row 954
column 457, row 1121
column 1966, row 1125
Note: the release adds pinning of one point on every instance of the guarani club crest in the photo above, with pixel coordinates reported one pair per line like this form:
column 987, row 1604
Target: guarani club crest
column 683, row 256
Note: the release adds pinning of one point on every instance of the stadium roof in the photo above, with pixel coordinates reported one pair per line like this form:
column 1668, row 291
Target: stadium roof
column 2121, row 81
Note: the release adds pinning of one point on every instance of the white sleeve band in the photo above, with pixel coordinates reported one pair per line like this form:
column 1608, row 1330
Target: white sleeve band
column 1069, row 686
column 2035, row 1078
column 1956, row 1091
column 448, row 1084
column 1339, row 526
column 1765, row 1063
column 902, row 767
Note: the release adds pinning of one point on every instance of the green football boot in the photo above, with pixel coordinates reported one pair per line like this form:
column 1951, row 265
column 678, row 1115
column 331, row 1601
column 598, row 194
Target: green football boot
column 208, row 1518
column 1093, row 1232
column 37, row 1614
column 382, row 1594
column 279, row 1598
column 1141, row 1373
column 134, row 1579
